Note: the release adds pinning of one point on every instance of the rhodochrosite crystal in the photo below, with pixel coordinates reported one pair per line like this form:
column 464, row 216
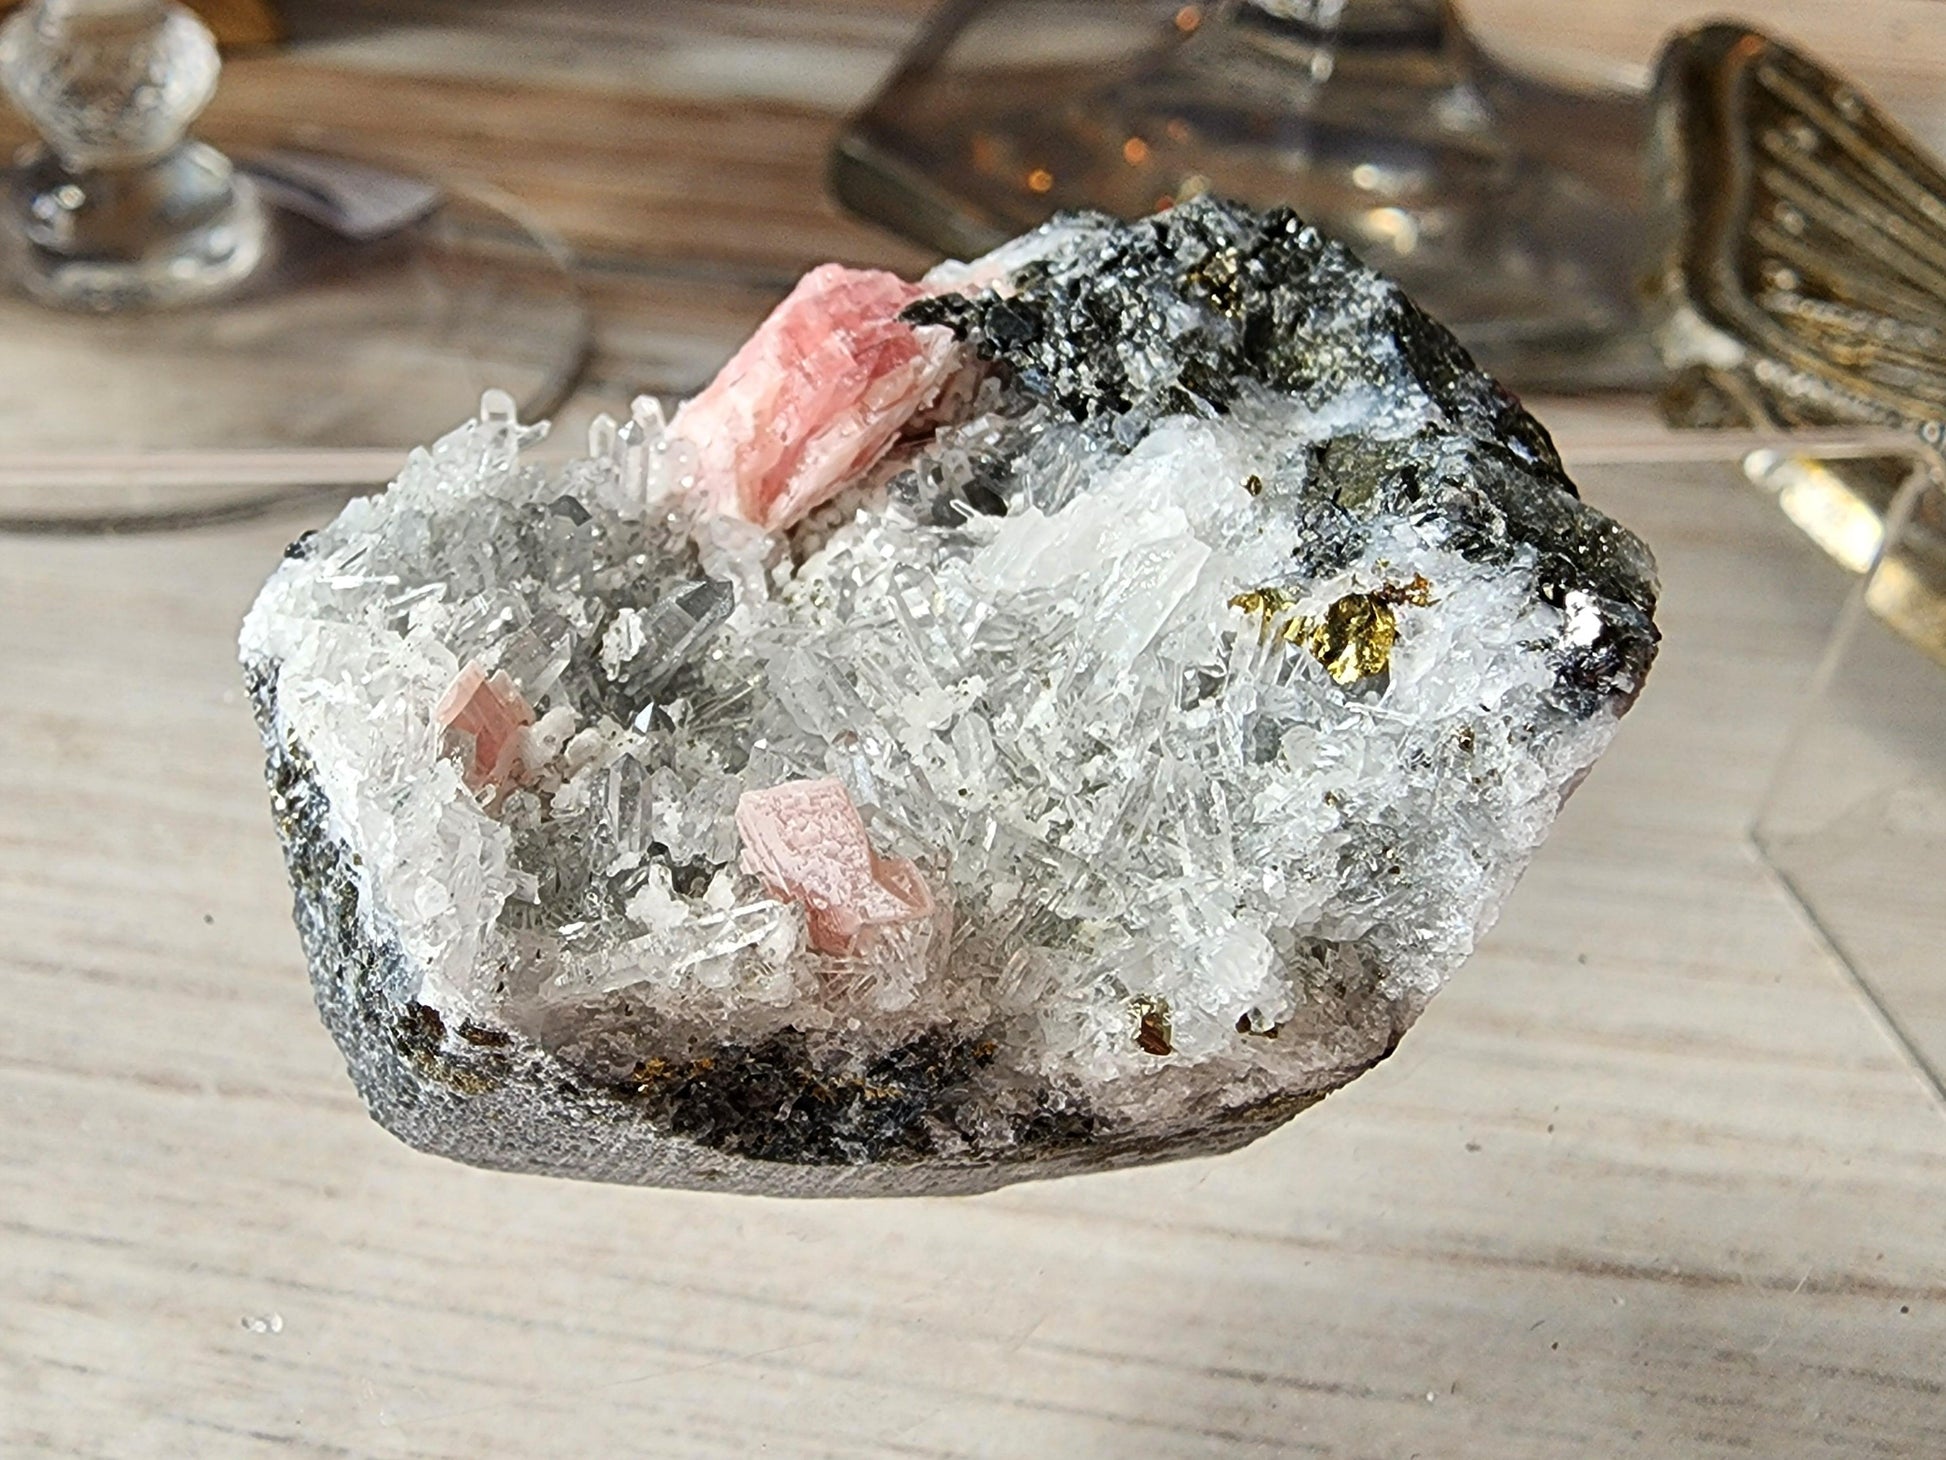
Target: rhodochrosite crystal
column 1069, row 712
column 815, row 397
column 807, row 841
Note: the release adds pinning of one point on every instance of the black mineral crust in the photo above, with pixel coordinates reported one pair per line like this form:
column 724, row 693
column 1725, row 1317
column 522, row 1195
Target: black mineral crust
column 1276, row 307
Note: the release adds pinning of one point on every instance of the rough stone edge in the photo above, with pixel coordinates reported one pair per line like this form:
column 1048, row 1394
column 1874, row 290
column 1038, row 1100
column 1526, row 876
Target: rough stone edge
column 504, row 1105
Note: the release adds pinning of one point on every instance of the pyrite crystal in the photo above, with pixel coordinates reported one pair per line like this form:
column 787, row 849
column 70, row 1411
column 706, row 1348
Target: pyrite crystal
column 1070, row 712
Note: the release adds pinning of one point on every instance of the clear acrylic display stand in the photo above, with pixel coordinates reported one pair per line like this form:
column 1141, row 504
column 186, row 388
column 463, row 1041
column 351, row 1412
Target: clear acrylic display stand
column 1855, row 819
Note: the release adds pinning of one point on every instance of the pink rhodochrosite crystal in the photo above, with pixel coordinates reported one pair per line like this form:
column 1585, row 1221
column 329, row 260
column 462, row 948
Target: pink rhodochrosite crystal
column 808, row 843
column 815, row 397
column 492, row 713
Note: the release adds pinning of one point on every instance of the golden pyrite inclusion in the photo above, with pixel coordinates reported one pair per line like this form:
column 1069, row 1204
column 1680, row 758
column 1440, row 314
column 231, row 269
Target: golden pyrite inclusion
column 1070, row 711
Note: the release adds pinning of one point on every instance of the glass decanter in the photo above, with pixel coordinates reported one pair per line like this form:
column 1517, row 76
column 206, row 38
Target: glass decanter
column 1508, row 204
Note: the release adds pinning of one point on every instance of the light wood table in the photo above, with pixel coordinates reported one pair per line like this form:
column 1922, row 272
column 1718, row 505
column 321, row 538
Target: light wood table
column 1648, row 1180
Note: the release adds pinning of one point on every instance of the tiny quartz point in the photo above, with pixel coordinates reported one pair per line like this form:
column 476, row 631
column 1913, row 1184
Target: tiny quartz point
column 1070, row 711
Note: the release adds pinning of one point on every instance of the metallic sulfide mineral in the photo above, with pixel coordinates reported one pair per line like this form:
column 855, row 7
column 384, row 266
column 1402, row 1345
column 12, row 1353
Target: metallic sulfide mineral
column 1069, row 712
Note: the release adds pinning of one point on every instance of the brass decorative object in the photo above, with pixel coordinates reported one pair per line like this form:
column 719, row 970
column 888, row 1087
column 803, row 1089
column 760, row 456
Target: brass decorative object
column 1802, row 271
column 1800, row 285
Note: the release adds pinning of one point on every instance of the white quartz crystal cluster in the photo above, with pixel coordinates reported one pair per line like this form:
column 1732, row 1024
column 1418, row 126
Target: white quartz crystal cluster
column 1198, row 813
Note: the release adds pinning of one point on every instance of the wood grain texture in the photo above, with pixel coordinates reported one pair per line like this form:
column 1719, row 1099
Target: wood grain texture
column 1648, row 1180
column 233, row 22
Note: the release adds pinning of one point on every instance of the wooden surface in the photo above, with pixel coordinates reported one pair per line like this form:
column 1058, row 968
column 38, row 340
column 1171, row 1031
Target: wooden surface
column 234, row 22
column 1648, row 1180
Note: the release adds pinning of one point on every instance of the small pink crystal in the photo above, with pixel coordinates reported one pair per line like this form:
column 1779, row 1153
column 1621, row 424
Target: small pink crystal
column 808, row 843
column 815, row 396
column 493, row 713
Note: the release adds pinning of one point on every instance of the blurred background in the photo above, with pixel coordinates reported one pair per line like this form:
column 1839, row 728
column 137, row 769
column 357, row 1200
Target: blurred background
column 681, row 148
column 1659, row 1175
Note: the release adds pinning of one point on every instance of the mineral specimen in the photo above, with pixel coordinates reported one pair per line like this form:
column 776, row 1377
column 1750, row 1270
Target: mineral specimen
column 1071, row 712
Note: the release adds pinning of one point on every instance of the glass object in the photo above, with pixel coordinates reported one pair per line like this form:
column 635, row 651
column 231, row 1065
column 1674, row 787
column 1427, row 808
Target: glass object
column 1855, row 820
column 192, row 337
column 1508, row 204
